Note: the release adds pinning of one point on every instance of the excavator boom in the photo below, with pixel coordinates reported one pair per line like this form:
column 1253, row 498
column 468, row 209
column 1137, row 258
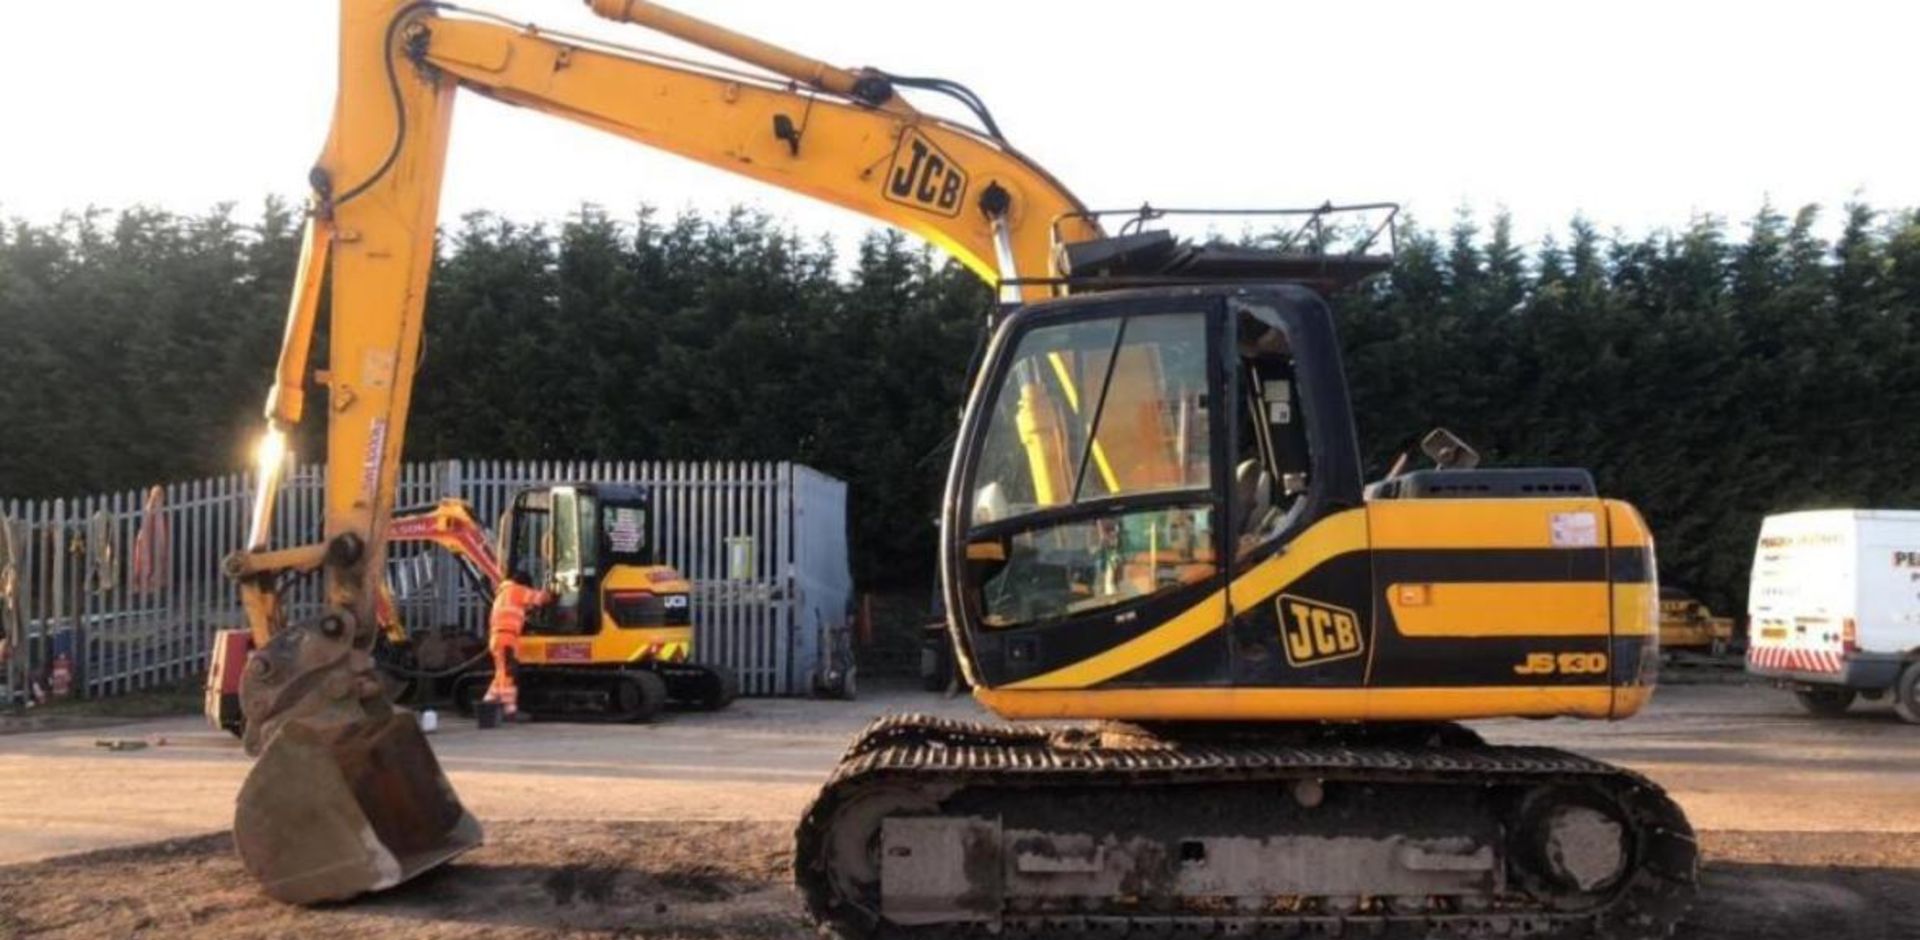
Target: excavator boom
column 346, row 795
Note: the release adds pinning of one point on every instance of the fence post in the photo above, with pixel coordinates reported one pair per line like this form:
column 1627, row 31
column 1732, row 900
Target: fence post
column 80, row 547
column 12, row 611
column 794, row 668
column 449, row 583
column 57, row 592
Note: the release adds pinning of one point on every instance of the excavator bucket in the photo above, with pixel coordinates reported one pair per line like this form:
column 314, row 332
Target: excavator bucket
column 333, row 811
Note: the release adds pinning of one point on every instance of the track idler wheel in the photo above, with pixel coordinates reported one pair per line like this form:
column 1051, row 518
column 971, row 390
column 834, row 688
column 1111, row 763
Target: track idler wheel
column 346, row 796
column 1573, row 846
column 850, row 855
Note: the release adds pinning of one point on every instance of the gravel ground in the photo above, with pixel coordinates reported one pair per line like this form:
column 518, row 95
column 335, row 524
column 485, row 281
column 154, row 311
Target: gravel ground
column 679, row 881
column 682, row 829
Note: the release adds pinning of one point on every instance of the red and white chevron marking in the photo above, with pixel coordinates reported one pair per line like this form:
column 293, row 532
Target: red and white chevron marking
column 1785, row 659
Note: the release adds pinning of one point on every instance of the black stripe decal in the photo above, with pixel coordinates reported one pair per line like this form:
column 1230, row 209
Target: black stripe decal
column 1630, row 565
column 1479, row 565
column 1401, row 565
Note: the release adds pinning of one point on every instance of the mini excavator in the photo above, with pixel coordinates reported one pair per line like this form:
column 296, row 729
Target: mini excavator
column 616, row 644
column 1154, row 523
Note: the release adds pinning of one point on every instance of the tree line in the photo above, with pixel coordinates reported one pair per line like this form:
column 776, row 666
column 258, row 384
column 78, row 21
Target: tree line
column 1709, row 375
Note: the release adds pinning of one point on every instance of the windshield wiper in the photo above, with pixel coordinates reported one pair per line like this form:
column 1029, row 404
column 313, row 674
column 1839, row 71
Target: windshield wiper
column 1099, row 411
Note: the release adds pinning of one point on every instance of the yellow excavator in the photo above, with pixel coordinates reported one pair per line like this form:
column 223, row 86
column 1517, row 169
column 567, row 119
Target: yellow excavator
column 1155, row 520
column 616, row 642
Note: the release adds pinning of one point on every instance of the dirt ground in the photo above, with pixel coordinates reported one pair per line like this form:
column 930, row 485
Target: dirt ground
column 682, row 829
column 675, row 881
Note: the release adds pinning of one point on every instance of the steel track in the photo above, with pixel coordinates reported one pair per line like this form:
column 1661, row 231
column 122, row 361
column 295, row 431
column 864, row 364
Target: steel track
column 937, row 755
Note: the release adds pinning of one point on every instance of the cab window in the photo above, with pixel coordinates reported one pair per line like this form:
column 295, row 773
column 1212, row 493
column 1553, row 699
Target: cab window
column 1093, row 413
column 1096, row 410
column 625, row 530
column 530, row 544
column 1272, row 465
column 1079, row 567
column 566, row 546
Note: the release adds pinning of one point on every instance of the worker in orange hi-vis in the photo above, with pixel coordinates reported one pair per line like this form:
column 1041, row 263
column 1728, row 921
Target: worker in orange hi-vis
column 508, row 618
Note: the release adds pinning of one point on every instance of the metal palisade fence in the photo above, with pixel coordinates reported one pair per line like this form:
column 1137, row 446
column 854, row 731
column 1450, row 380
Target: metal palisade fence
column 108, row 594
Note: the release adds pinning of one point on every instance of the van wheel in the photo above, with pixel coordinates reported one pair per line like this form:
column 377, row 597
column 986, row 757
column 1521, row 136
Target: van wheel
column 1825, row 703
column 1906, row 694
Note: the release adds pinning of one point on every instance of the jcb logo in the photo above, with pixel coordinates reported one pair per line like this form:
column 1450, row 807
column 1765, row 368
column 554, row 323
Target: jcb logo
column 923, row 176
column 1316, row 633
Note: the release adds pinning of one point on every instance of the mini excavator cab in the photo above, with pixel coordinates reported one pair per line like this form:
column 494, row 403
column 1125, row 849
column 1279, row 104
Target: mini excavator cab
column 566, row 540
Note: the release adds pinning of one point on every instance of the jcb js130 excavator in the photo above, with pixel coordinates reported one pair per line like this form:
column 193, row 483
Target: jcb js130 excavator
column 1155, row 518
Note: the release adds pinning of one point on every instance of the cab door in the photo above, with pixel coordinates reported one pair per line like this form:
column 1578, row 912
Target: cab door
column 574, row 547
column 1302, row 605
column 553, row 542
column 1084, row 513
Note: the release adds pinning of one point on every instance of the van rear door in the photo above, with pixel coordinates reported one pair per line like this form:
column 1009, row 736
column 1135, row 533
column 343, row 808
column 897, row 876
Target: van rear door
column 1801, row 597
column 1888, row 619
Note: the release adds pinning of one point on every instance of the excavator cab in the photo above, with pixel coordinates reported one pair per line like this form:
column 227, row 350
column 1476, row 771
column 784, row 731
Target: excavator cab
column 1127, row 453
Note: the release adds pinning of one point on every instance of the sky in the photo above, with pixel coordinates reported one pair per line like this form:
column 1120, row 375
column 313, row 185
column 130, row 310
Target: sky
column 1638, row 115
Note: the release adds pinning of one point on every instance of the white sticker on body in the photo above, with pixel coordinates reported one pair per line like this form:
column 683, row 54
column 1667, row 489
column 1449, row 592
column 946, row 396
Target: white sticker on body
column 624, row 531
column 1575, row 529
column 370, row 464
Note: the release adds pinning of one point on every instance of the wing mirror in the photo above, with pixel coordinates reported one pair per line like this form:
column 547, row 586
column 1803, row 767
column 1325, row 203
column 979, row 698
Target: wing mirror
column 1447, row 451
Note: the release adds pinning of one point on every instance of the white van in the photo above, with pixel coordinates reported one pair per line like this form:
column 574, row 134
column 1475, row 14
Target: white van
column 1834, row 607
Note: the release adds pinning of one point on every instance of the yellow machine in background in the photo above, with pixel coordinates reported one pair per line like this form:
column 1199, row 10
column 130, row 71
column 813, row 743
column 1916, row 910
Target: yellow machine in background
column 1155, row 515
column 617, row 640
column 616, row 644
column 1687, row 625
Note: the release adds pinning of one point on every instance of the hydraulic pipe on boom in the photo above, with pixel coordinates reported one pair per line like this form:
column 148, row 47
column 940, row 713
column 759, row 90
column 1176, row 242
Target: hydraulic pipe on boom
column 861, row 85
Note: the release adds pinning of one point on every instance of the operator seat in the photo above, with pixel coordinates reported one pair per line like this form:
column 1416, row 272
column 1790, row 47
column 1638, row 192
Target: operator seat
column 1252, row 502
